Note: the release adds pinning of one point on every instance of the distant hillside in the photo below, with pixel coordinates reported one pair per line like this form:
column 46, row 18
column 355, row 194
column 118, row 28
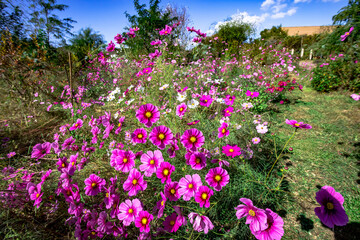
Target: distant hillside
column 308, row 30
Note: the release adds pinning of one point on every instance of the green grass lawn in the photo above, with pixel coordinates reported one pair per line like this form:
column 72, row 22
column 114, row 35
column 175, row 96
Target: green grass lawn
column 327, row 154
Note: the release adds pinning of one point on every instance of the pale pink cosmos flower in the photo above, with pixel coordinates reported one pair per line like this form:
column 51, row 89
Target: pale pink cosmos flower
column 128, row 210
column 200, row 223
column 181, row 109
column 255, row 140
column 256, row 217
column 150, row 162
column 189, row 185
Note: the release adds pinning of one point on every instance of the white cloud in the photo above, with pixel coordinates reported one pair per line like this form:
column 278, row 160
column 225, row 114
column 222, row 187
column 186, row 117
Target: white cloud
column 277, row 8
column 267, row 3
column 244, row 17
column 290, row 12
column 331, row 0
column 301, row 1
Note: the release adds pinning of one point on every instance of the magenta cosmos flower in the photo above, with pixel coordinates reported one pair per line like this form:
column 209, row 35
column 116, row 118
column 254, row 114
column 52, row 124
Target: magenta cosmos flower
column 161, row 136
column 171, row 191
column 172, row 223
column 164, row 172
column 151, row 161
column 76, row 125
column 35, row 193
column 297, row 124
column 160, row 205
column 41, row 150
column 181, row 109
column 217, row 178
column 128, row 210
column 110, row 47
column 231, row 150
column 331, row 211
column 202, row 196
column 228, row 111
column 94, row 185
column 122, row 160
column 256, row 217
column 193, row 123
column 252, row 94
column 343, row 37
column 223, row 131
column 229, row 100
column 200, row 223
column 189, row 185
column 197, row 161
column 205, row 100
column 192, row 139
column 274, row 230
column 134, row 183
column 173, row 148
column 143, row 220
column 148, row 114
column 139, row 135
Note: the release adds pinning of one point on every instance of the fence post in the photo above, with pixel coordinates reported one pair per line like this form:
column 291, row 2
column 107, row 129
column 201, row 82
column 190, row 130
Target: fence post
column 302, row 53
column 311, row 54
column 292, row 51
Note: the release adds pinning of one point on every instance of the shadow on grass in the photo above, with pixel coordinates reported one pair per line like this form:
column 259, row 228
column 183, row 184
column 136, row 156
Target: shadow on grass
column 306, row 223
column 349, row 232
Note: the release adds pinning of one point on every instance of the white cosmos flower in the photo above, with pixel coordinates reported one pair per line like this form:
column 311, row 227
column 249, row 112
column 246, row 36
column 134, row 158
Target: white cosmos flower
column 181, row 97
column 163, row 87
column 193, row 103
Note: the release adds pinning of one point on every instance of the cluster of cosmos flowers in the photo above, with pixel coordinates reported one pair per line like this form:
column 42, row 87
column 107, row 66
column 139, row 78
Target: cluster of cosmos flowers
column 114, row 201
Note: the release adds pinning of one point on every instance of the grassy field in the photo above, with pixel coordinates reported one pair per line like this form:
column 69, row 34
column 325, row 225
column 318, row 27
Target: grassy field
column 328, row 154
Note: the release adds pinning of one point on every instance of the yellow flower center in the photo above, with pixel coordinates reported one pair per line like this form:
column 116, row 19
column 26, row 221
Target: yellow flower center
column 72, row 163
column 37, row 195
column 76, row 125
column 93, row 185
column 190, row 185
column 161, row 136
column 252, row 93
column 130, row 210
column 125, row 160
column 172, row 191
column 152, row 161
column 107, row 195
column 162, row 203
column 93, row 233
column 63, row 164
column 296, row 124
column 330, row 206
column 144, row 221
column 252, row 213
column 119, row 125
column 140, row 135
column 347, row 33
column 227, row 111
column 224, row 130
column 231, row 150
column 230, row 99
column 172, row 222
column 193, row 139
column 217, row 178
column 198, row 160
column 181, row 109
column 134, row 182
column 166, row 172
column 205, row 100
column 204, row 196
column 148, row 114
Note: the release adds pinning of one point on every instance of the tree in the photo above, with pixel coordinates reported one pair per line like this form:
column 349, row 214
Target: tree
column 149, row 21
column 349, row 15
column 11, row 22
column 43, row 18
column 235, row 31
column 274, row 33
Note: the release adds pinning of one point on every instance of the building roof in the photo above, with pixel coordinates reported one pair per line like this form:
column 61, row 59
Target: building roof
column 307, row 30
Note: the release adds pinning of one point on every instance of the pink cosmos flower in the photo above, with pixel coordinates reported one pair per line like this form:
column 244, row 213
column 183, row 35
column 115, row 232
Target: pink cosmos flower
column 356, row 97
column 171, row 191
column 119, row 39
column 252, row 94
column 147, row 70
column 139, row 135
column 173, row 148
column 148, row 114
column 94, row 185
column 172, row 223
column 205, row 100
column 161, row 136
column 35, row 193
column 151, row 162
column 192, row 139
column 297, row 124
column 158, row 42
column 161, row 205
column 231, row 150
column 274, row 230
column 256, row 217
column 193, row 123
column 343, row 37
column 110, row 47
column 164, row 172
column 229, row 100
column 181, row 109
column 189, row 185
column 167, row 30
column 143, row 220
column 222, row 130
column 197, row 161
column 122, row 160
column 217, row 178
column 332, row 211
column 255, row 140
column 227, row 112
column 121, row 120
column 128, row 210
column 76, row 125
column 200, row 223
column 261, row 128
column 202, row 196
column 221, row 162
column 41, row 150
column 134, row 183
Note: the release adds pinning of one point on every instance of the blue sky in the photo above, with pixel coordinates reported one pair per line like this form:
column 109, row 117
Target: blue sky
column 108, row 18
